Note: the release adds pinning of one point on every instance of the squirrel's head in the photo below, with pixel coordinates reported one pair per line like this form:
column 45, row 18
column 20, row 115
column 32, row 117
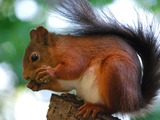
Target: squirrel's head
column 38, row 52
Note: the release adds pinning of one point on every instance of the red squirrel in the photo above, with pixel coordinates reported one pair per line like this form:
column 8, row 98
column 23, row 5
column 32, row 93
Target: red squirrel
column 99, row 59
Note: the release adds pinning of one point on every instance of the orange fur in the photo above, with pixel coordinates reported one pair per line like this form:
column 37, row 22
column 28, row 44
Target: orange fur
column 109, row 63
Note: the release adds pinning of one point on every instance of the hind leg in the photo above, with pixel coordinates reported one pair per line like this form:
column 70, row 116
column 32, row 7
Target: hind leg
column 120, row 74
column 88, row 108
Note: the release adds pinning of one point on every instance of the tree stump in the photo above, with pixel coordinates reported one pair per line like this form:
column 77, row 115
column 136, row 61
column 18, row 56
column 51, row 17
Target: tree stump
column 64, row 107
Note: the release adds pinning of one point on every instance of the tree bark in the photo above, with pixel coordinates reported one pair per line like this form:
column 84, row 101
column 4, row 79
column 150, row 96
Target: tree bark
column 64, row 107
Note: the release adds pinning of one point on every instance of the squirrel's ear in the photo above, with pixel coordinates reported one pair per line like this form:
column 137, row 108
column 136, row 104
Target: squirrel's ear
column 33, row 34
column 42, row 35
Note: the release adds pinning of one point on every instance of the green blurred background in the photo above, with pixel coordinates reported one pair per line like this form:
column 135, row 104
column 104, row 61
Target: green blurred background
column 14, row 37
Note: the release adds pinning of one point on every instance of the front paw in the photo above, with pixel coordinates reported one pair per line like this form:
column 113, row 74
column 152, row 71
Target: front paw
column 44, row 74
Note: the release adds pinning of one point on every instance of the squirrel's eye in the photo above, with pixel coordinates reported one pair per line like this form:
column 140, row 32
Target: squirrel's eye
column 34, row 57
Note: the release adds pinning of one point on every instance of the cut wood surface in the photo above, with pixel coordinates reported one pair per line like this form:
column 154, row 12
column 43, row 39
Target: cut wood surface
column 64, row 107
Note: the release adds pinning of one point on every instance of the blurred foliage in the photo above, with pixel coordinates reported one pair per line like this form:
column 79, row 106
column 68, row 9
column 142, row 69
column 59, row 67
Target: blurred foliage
column 150, row 4
column 13, row 40
column 14, row 35
column 100, row 2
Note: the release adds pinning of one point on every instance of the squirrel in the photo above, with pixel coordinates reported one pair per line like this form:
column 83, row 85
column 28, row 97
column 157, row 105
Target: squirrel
column 113, row 67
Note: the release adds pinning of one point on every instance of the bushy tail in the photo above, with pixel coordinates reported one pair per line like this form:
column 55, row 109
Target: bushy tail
column 93, row 21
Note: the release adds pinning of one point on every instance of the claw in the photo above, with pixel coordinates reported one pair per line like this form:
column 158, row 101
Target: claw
column 40, row 75
column 47, row 80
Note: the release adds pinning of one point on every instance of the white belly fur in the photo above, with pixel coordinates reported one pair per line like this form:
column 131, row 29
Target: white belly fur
column 86, row 86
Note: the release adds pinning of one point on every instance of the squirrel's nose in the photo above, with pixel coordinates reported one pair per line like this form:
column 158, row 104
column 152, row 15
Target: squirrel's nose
column 26, row 77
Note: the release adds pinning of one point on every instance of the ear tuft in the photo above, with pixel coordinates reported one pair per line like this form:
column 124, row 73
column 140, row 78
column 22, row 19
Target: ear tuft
column 41, row 31
column 42, row 34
